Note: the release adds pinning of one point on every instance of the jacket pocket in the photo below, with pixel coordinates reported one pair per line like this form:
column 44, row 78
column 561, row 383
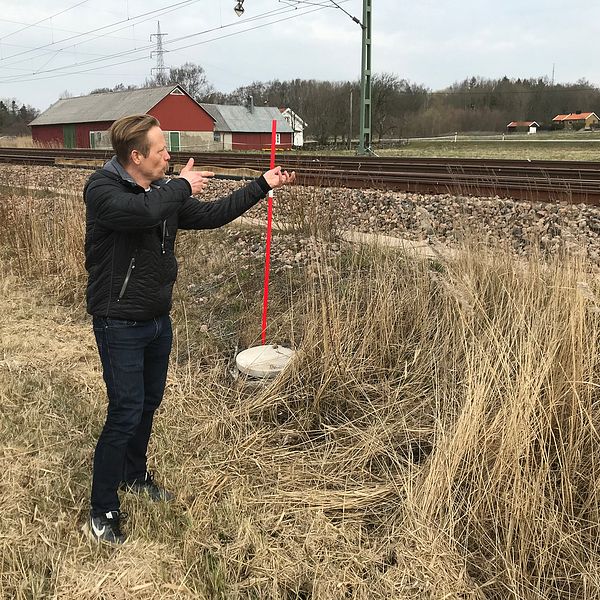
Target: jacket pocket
column 127, row 277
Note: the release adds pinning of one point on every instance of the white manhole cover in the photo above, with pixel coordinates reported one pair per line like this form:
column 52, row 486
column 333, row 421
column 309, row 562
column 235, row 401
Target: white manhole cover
column 263, row 361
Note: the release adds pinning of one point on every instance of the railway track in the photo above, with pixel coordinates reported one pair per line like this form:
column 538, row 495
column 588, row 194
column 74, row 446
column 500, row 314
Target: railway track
column 548, row 181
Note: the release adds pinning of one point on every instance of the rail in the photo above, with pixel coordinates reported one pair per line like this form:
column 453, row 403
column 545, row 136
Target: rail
column 547, row 181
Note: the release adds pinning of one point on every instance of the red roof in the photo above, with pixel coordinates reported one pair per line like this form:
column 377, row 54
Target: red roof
column 574, row 116
column 522, row 124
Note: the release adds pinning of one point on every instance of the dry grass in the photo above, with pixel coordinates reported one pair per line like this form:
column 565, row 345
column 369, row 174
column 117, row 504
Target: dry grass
column 43, row 237
column 436, row 437
column 21, row 141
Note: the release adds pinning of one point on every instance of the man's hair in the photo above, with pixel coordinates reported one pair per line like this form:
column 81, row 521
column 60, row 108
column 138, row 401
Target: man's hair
column 131, row 133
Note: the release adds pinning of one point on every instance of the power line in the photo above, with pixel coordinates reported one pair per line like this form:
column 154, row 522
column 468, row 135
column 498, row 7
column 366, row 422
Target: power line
column 53, row 54
column 53, row 28
column 18, row 78
column 45, row 19
column 163, row 10
column 104, row 56
column 166, row 10
column 328, row 5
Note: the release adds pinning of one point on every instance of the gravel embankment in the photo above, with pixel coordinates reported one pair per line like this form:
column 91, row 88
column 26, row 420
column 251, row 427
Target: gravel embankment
column 441, row 218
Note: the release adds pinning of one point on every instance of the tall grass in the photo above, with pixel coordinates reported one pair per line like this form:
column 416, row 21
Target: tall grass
column 42, row 237
column 435, row 438
column 13, row 141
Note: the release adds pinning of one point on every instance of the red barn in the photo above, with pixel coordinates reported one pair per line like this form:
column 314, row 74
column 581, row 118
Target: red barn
column 249, row 127
column 83, row 122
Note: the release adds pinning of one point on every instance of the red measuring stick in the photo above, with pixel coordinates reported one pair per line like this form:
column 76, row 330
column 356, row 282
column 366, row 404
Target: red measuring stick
column 268, row 249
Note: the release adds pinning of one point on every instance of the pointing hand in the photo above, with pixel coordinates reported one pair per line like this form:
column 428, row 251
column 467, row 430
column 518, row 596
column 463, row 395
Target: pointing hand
column 198, row 180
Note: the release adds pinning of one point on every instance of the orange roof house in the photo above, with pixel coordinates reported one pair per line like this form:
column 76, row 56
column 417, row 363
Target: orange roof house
column 577, row 120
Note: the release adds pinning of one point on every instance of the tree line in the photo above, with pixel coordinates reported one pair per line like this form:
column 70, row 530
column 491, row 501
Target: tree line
column 399, row 107
column 14, row 118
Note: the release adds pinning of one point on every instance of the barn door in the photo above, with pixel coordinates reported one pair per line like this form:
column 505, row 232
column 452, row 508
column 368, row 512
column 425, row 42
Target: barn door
column 174, row 141
column 69, row 136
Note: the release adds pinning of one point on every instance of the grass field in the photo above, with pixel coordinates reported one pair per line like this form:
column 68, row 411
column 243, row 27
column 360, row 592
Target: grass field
column 436, row 438
column 563, row 149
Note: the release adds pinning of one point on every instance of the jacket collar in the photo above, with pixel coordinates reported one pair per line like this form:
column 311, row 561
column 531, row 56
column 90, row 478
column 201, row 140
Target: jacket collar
column 115, row 167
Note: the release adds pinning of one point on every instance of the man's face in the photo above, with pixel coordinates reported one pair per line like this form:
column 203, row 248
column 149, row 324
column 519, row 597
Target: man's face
column 154, row 165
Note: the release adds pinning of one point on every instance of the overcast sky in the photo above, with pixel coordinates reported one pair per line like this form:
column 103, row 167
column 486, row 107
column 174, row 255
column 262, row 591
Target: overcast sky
column 78, row 45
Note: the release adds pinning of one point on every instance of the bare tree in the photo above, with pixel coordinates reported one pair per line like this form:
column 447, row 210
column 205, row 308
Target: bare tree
column 192, row 77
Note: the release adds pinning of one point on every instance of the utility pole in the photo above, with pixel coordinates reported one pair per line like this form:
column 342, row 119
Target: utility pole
column 160, row 62
column 364, row 143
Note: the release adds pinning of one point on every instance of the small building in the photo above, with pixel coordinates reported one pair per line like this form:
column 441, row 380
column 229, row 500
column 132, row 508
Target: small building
column 576, row 120
column 83, row 121
column 248, row 127
column 522, row 126
column 297, row 124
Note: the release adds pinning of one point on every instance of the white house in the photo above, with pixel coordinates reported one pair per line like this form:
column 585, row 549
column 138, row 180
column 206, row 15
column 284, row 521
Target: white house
column 296, row 123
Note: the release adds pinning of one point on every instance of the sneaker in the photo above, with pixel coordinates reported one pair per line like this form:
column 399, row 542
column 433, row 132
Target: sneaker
column 150, row 488
column 107, row 527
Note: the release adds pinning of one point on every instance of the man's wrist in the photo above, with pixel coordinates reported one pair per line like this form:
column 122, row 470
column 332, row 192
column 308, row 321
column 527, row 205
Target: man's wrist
column 189, row 185
column 264, row 186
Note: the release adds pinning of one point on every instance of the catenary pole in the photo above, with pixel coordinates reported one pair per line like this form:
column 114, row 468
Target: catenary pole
column 364, row 143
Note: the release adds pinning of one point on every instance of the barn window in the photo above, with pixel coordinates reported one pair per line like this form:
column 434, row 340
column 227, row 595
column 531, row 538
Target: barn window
column 217, row 136
column 177, row 92
column 278, row 138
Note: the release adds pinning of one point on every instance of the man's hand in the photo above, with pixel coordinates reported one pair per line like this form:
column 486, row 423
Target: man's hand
column 198, row 180
column 277, row 178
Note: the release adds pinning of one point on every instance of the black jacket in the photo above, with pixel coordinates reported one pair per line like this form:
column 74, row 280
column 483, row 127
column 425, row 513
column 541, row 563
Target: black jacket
column 130, row 238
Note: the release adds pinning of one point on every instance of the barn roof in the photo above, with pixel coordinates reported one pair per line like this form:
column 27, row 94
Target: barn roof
column 108, row 106
column 239, row 119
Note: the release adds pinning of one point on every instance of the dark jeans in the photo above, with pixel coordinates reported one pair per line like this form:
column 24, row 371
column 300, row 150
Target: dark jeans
column 135, row 357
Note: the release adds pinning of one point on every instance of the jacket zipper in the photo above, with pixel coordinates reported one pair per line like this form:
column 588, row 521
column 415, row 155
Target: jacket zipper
column 124, row 286
column 164, row 235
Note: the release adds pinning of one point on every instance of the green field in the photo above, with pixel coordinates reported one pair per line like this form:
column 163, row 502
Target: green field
column 547, row 149
column 583, row 146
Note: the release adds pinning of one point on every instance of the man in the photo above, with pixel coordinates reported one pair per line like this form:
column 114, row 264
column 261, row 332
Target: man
column 132, row 216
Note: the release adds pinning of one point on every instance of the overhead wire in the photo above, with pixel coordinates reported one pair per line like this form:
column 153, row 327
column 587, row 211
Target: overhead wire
column 19, row 78
column 54, row 28
column 166, row 10
column 160, row 11
column 42, row 20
